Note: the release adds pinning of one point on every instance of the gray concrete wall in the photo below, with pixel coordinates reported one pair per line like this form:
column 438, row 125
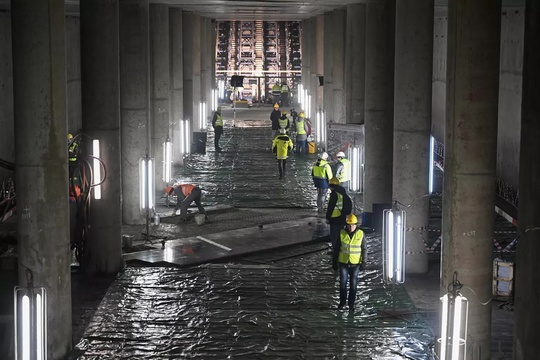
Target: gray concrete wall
column 510, row 81
column 73, row 68
column 438, row 105
column 7, row 132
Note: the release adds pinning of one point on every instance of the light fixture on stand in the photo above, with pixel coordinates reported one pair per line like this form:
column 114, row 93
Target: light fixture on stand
column 97, row 169
column 454, row 321
column 431, row 162
column 321, row 128
column 147, row 193
column 356, row 173
column 202, row 115
column 185, row 135
column 393, row 237
column 30, row 321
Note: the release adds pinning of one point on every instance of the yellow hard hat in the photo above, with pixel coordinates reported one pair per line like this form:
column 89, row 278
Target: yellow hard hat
column 70, row 136
column 334, row 181
column 351, row 219
column 302, row 115
column 276, row 106
column 283, row 113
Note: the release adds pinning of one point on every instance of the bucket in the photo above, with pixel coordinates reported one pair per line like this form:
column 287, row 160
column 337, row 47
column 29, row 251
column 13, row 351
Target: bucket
column 312, row 147
column 127, row 241
column 200, row 218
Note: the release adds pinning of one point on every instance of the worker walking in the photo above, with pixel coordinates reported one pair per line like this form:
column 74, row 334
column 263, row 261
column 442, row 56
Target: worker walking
column 283, row 122
column 339, row 206
column 281, row 145
column 276, row 92
column 343, row 170
column 185, row 195
column 217, row 124
column 275, row 115
column 284, row 94
column 321, row 174
column 301, row 134
column 349, row 258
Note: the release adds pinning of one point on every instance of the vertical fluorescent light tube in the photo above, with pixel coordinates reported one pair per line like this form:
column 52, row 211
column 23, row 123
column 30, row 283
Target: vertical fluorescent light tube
column 39, row 327
column 444, row 327
column 431, row 159
column 318, row 126
column 150, row 189
column 309, row 106
column 142, row 183
column 204, row 116
column 456, row 328
column 355, row 169
column 399, row 250
column 186, row 140
column 300, row 93
column 390, row 245
column 221, row 86
column 167, row 160
column 26, row 328
column 97, row 169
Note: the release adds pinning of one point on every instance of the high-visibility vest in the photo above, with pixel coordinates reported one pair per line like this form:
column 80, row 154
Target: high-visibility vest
column 284, row 88
column 186, row 189
column 300, row 128
column 276, row 89
column 282, row 143
column 283, row 123
column 323, row 170
column 72, row 150
column 345, row 175
column 350, row 251
column 339, row 206
column 219, row 120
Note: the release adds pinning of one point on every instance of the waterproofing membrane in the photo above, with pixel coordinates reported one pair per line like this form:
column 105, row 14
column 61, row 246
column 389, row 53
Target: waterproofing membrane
column 245, row 173
column 284, row 309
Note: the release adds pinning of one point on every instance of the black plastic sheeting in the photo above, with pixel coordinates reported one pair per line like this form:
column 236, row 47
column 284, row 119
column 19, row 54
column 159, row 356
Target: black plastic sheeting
column 285, row 309
column 246, row 174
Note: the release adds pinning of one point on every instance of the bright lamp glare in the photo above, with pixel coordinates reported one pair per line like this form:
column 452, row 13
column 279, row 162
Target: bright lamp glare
column 184, row 136
column 146, row 181
column 309, row 106
column 39, row 326
column 390, row 252
column 26, row 327
column 167, row 161
column 444, row 326
column 394, row 245
column 30, row 323
column 355, row 168
column 97, row 169
column 431, row 159
column 221, row 86
column 454, row 316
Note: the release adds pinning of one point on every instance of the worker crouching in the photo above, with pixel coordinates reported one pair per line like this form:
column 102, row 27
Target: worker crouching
column 186, row 194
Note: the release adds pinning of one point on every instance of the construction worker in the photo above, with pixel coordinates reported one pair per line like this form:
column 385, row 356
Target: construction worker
column 321, row 174
column 281, row 145
column 301, row 134
column 73, row 148
column 343, row 170
column 283, row 122
column 217, row 124
column 274, row 117
column 284, row 94
column 185, row 195
column 276, row 92
column 349, row 257
column 339, row 206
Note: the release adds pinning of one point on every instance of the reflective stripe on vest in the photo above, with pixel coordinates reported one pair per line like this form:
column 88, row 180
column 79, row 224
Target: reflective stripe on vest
column 320, row 170
column 350, row 251
column 219, row 120
column 283, row 123
column 339, row 206
column 345, row 175
column 300, row 128
column 284, row 88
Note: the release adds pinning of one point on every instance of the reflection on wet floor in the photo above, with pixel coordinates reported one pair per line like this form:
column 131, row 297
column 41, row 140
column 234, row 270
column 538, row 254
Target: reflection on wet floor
column 282, row 309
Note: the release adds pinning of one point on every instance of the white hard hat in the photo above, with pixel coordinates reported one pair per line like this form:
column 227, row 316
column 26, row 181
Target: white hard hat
column 323, row 156
column 282, row 131
column 340, row 154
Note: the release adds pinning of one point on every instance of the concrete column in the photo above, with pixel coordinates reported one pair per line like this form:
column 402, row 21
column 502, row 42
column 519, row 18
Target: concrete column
column 328, row 94
column 470, row 156
column 527, row 316
column 319, row 59
column 134, row 102
column 39, row 89
column 338, row 73
column 355, row 63
column 73, row 65
column 192, row 68
column 100, row 79
column 307, row 33
column 161, row 125
column 177, row 79
column 7, row 135
column 213, row 45
column 412, row 122
column 313, row 76
column 379, row 115
column 206, row 55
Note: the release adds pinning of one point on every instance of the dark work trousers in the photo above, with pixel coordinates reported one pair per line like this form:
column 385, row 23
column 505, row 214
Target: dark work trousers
column 334, row 234
column 194, row 196
column 218, row 131
column 348, row 272
column 281, row 166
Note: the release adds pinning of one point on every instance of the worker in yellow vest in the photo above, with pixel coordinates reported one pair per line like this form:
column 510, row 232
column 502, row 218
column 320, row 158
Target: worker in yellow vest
column 343, row 170
column 339, row 206
column 276, row 93
column 349, row 258
column 301, row 133
column 281, row 145
column 217, row 124
column 321, row 173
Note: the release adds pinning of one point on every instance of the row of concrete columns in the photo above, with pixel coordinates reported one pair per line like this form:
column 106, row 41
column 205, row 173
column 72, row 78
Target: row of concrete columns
column 141, row 72
column 388, row 80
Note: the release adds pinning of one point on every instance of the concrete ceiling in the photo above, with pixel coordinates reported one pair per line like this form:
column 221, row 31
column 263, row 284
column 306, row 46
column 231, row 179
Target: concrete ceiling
column 269, row 10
